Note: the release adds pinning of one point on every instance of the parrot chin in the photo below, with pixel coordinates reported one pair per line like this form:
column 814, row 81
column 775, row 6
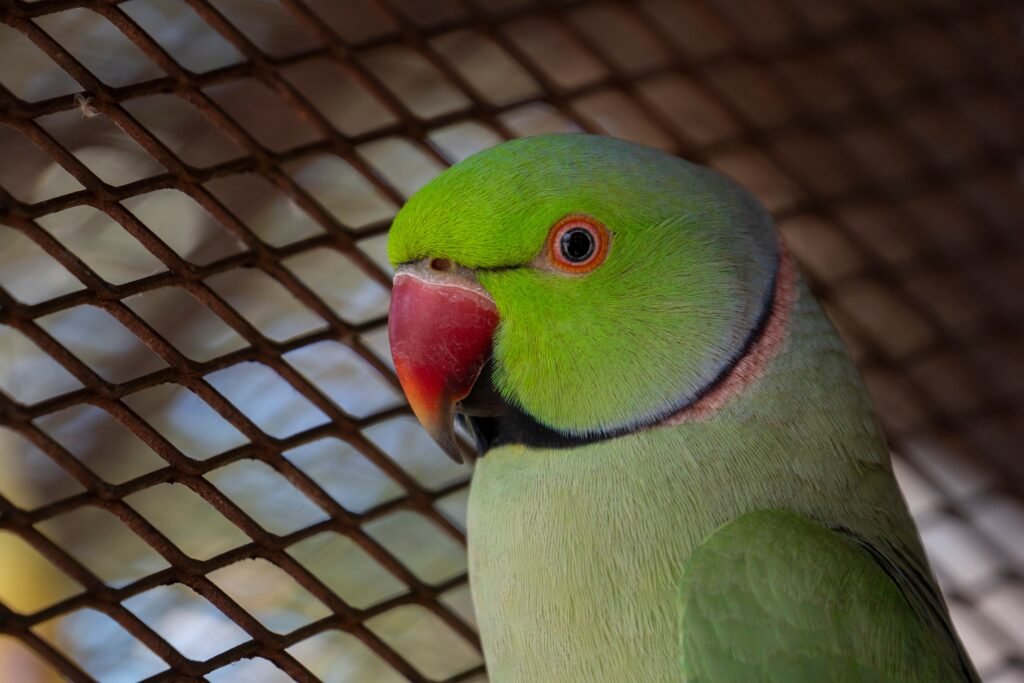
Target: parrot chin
column 441, row 326
column 483, row 399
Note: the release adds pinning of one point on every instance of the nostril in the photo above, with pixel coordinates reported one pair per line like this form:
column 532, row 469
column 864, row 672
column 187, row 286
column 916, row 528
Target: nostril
column 441, row 264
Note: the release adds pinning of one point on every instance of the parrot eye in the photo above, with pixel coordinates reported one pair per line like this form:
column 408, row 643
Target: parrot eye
column 577, row 244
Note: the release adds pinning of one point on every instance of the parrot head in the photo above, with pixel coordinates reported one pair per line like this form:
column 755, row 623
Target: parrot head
column 567, row 288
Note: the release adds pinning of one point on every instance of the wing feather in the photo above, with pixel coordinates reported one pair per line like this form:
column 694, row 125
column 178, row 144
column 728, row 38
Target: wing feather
column 777, row 598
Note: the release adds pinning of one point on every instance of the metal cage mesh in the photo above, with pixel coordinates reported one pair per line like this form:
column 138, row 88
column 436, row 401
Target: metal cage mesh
column 200, row 430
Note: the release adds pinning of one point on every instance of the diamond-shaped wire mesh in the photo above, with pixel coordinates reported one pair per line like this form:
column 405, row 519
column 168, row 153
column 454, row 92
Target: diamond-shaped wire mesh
column 206, row 467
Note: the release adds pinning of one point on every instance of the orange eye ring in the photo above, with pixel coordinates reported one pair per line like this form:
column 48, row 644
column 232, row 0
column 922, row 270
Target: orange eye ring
column 577, row 244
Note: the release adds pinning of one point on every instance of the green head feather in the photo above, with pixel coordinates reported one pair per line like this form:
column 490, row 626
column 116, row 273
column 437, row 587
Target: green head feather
column 691, row 263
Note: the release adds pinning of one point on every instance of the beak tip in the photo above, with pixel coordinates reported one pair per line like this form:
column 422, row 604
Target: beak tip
column 444, row 436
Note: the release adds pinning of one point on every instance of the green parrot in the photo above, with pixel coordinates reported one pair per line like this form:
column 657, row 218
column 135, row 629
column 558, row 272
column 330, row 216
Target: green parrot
column 682, row 477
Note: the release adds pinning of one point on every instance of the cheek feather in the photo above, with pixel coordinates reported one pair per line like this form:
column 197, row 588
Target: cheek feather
column 753, row 364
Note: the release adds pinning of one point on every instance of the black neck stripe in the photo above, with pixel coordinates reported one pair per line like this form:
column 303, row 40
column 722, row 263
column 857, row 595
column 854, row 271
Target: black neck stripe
column 515, row 426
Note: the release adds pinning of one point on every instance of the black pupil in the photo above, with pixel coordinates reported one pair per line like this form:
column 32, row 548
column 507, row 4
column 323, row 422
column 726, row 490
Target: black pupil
column 577, row 245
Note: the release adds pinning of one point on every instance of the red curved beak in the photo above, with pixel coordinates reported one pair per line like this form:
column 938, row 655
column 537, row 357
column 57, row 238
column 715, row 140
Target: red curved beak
column 440, row 327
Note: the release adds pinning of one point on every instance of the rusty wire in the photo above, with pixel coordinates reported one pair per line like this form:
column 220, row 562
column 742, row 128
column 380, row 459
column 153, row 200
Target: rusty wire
column 944, row 56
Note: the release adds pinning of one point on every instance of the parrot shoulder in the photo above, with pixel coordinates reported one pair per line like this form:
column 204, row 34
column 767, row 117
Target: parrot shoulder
column 774, row 596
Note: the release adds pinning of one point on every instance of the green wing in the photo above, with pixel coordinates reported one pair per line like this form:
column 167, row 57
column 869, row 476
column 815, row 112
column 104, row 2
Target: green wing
column 774, row 597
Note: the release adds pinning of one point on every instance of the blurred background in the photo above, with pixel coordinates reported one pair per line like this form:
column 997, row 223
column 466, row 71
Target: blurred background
column 207, row 470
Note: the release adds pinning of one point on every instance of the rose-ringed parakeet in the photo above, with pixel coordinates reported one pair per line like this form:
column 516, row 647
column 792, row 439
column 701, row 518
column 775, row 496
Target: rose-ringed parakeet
column 682, row 476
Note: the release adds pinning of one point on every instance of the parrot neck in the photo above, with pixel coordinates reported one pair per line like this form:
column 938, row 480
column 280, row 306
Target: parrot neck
column 751, row 364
